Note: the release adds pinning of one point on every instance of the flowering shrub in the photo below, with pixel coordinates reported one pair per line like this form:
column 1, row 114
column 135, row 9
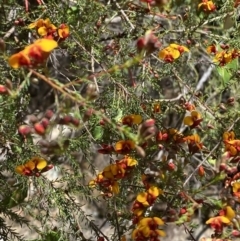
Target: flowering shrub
column 119, row 120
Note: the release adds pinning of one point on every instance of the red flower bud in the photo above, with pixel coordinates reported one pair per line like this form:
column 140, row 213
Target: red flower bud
column 37, row 174
column 201, row 171
column 3, row 90
column 24, row 130
column 171, row 166
column 235, row 233
column 75, row 121
column 49, row 114
column 100, row 238
column 222, row 167
column 45, row 122
column 39, row 128
column 183, row 211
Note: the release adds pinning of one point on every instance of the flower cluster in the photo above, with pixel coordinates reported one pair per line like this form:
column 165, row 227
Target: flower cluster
column 223, row 56
column 145, row 200
column 172, row 52
column 232, row 145
column 48, row 30
column 33, row 55
column 207, row 6
column 34, row 167
column 109, row 177
column 131, row 120
column 123, row 146
column 148, row 229
column 193, row 120
column 224, row 218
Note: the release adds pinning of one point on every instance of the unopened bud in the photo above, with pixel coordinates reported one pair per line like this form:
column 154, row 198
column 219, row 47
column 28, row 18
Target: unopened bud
column 201, row 171
column 37, row 174
column 75, row 121
column 49, row 114
column 24, row 130
column 39, row 128
column 45, row 122
column 171, row 166
column 88, row 113
column 3, row 90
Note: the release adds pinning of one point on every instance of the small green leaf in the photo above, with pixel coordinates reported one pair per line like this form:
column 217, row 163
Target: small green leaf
column 97, row 132
column 15, row 198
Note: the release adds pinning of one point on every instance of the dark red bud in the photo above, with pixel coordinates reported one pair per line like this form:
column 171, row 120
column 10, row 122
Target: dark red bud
column 45, row 122
column 37, row 174
column 75, row 121
column 49, row 114
column 222, row 167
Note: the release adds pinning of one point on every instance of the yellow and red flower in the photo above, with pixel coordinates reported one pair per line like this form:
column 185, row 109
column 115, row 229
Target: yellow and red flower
column 193, row 120
column 147, row 228
column 44, row 27
column 207, row 6
column 34, row 167
column 63, row 31
column 124, row 146
column 232, row 147
column 225, row 217
column 236, row 189
column 145, row 199
column 33, row 55
column 226, row 56
column 212, row 49
column 107, row 179
column 172, row 52
column 194, row 143
column 131, row 120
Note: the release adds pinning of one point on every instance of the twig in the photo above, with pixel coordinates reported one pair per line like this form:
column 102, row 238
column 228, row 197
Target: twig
column 93, row 70
column 125, row 16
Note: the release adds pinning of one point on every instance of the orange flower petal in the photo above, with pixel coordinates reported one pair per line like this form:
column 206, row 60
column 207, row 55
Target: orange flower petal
column 158, row 221
column 92, row 184
column 131, row 162
column 137, row 119
column 188, row 121
column 20, row 169
column 196, row 114
column 115, row 188
column 142, row 197
column 160, row 232
column 41, row 163
column 155, row 191
column 30, row 165
column 236, row 187
column 46, row 45
column 230, row 214
column 42, row 31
